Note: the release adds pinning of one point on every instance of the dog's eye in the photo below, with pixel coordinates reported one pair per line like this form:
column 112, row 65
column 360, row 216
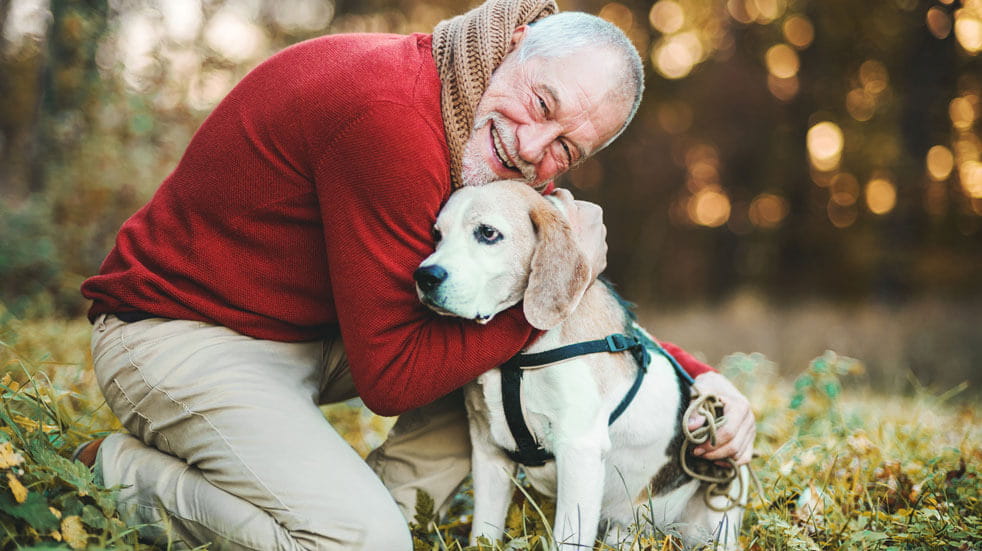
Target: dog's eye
column 487, row 234
column 437, row 236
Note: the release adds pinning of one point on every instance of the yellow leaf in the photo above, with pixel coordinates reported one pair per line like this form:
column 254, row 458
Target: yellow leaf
column 16, row 488
column 31, row 425
column 8, row 457
column 55, row 512
column 56, row 535
column 5, row 381
column 74, row 533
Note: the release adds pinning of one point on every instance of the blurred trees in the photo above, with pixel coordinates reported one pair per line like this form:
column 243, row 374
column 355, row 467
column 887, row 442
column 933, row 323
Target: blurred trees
column 796, row 147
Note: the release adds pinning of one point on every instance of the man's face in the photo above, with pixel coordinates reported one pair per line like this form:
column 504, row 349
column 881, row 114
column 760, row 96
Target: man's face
column 541, row 116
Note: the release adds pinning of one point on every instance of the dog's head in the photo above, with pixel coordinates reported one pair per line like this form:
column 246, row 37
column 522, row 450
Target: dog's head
column 496, row 245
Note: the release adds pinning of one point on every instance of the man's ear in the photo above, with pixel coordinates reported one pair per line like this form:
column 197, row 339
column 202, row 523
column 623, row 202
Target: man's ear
column 516, row 38
column 560, row 273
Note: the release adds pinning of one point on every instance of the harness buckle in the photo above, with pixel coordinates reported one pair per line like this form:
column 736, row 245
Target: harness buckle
column 619, row 343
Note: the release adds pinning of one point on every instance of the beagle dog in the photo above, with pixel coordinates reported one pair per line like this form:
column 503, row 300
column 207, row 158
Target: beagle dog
column 503, row 243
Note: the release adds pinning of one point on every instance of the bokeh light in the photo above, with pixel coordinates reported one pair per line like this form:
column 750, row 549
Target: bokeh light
column 709, row 207
column 182, row 19
column 938, row 22
column 784, row 89
column 667, row 16
column 782, row 61
column 881, row 195
column 798, row 31
column 234, row 36
column 940, row 162
column 844, row 189
column 970, row 173
column 825, row 142
column 842, row 216
column 768, row 210
column 759, row 11
column 962, row 112
column 619, row 15
column 860, row 104
column 675, row 56
column 968, row 30
column 302, row 15
column 873, row 76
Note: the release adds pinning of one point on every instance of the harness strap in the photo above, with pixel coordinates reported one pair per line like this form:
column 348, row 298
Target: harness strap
column 612, row 343
column 529, row 452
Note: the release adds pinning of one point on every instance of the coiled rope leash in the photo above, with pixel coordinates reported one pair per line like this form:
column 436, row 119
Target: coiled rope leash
column 718, row 478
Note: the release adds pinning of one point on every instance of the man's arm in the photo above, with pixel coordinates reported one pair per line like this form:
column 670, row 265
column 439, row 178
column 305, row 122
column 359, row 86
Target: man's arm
column 380, row 187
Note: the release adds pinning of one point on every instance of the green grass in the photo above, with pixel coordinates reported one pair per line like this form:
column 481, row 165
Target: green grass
column 842, row 467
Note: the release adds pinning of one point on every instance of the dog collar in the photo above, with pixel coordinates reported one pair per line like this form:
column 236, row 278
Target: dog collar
column 529, row 452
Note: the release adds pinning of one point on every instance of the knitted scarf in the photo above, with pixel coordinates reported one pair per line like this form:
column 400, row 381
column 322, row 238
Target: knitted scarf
column 467, row 49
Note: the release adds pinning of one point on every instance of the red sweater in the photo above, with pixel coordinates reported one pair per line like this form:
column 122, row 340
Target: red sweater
column 302, row 206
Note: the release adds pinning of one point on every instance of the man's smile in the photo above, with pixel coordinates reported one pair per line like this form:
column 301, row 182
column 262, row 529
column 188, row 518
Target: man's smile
column 499, row 149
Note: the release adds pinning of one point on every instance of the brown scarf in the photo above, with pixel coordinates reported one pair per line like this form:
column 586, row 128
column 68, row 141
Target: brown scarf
column 467, row 49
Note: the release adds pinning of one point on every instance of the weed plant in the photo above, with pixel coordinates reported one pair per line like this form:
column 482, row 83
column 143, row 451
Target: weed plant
column 842, row 467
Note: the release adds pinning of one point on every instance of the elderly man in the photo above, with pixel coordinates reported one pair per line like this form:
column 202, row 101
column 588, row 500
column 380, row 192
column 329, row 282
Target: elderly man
column 272, row 272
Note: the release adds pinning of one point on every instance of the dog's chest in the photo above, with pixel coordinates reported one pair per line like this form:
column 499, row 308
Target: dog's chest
column 563, row 403
column 553, row 399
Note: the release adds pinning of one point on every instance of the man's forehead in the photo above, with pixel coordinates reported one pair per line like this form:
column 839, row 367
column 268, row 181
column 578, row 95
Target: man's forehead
column 586, row 96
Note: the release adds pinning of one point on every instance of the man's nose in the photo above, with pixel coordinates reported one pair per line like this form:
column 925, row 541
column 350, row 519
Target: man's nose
column 535, row 138
column 429, row 277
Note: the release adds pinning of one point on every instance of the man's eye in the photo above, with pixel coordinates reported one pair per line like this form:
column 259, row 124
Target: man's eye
column 542, row 104
column 487, row 234
column 437, row 236
column 569, row 154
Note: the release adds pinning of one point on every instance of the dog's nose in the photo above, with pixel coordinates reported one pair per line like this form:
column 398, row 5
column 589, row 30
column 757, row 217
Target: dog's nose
column 429, row 277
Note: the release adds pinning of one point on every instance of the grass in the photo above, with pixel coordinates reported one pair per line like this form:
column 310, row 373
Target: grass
column 843, row 467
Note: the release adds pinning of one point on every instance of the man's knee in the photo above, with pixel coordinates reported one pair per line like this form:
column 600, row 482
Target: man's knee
column 376, row 526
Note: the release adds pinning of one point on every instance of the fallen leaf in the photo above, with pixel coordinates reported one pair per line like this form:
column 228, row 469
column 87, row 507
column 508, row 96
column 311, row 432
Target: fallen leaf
column 74, row 532
column 16, row 488
column 8, row 457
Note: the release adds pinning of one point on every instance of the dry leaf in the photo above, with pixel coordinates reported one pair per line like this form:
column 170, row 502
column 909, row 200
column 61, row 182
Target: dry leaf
column 16, row 488
column 74, row 532
column 8, row 457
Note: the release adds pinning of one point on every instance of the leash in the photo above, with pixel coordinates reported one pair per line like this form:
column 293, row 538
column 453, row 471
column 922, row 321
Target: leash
column 718, row 478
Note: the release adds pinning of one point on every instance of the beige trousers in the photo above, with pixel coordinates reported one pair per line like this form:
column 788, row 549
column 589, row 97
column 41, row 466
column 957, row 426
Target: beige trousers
column 227, row 444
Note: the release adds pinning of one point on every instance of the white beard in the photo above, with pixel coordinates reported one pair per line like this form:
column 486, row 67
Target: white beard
column 476, row 171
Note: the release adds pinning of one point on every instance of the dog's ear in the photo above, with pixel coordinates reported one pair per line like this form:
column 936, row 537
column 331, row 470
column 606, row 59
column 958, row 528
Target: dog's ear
column 560, row 273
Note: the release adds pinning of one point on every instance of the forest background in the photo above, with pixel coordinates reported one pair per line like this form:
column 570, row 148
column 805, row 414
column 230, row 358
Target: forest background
column 802, row 175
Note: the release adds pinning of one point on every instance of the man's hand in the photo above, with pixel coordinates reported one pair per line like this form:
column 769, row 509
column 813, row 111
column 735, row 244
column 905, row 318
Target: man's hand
column 736, row 437
column 587, row 221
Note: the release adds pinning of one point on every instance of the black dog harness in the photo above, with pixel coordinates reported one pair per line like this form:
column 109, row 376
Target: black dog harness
column 530, row 453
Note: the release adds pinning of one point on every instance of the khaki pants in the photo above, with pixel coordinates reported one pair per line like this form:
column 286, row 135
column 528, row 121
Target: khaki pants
column 228, row 446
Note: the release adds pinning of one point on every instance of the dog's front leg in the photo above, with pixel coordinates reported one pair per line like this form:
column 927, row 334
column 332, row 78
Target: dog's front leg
column 580, row 473
column 492, row 472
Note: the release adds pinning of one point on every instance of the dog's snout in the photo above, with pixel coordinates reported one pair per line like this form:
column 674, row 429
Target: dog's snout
column 429, row 277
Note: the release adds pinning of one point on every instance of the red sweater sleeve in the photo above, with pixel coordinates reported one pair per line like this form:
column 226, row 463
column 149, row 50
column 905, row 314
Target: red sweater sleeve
column 688, row 362
column 380, row 185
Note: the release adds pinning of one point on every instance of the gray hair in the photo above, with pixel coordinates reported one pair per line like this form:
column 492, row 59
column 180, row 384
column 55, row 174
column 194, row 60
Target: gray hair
column 564, row 33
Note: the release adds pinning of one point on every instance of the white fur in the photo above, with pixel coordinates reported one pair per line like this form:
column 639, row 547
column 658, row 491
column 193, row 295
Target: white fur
column 601, row 473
